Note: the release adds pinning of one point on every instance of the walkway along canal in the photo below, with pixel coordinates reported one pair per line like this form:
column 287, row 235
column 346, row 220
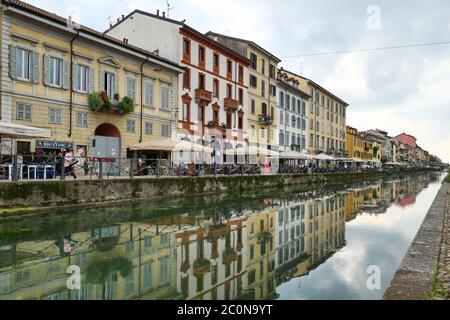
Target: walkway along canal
column 275, row 244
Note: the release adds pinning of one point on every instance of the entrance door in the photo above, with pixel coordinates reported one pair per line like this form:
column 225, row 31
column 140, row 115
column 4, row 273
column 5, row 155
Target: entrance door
column 106, row 144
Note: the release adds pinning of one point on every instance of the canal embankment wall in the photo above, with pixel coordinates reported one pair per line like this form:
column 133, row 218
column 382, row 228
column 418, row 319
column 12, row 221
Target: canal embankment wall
column 29, row 195
column 416, row 276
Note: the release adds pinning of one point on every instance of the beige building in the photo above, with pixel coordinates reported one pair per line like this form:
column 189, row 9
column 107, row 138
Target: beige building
column 92, row 91
column 262, row 97
column 327, row 116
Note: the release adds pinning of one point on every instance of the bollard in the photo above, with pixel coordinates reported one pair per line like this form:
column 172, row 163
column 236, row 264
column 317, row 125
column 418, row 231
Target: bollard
column 14, row 174
column 100, row 169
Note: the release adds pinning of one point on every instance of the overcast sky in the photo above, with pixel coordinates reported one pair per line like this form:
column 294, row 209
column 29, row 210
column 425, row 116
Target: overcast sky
column 401, row 90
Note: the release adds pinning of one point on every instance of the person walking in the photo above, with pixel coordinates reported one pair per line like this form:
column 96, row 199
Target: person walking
column 69, row 163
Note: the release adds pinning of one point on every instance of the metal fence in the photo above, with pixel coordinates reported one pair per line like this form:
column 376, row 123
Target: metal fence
column 35, row 167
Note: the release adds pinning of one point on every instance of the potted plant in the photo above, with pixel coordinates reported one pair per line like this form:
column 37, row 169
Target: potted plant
column 126, row 105
column 95, row 101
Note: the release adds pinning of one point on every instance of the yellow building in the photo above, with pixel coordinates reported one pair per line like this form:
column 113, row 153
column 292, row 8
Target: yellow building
column 262, row 88
column 55, row 72
column 326, row 118
column 358, row 146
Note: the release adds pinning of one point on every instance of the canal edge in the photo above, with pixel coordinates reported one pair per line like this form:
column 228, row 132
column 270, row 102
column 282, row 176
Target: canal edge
column 416, row 277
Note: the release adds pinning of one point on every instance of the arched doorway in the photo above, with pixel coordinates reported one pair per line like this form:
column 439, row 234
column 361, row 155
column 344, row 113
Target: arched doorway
column 106, row 144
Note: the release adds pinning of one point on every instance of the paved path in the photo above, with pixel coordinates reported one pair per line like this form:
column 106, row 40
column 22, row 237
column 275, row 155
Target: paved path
column 442, row 289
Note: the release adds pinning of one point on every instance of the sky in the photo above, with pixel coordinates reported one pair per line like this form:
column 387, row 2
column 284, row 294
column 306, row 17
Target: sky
column 397, row 90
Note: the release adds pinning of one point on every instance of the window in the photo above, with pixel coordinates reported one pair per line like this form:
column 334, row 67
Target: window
column 272, row 72
column 282, row 99
column 241, row 74
column 229, row 91
column 131, row 88
column 147, row 280
column 187, row 79
column 82, row 119
column 241, row 96
column 263, row 88
column 148, row 94
column 82, row 79
column 163, row 270
column 216, row 62
column 201, row 115
column 281, row 138
column 201, row 56
column 55, row 66
column 263, row 66
column 229, row 120
column 131, row 126
column 273, row 90
column 281, row 117
column 23, row 111
column 165, row 98
column 240, row 122
column 229, row 69
column 253, row 107
column 23, row 64
column 253, row 82
column 109, row 85
column 186, row 111
column 54, row 116
column 201, row 81
column 186, row 50
column 149, row 128
column 165, row 132
column 216, row 88
column 254, row 60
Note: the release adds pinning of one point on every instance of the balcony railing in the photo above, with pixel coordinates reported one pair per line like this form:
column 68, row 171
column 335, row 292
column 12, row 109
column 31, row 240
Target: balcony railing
column 231, row 104
column 265, row 120
column 215, row 125
column 203, row 95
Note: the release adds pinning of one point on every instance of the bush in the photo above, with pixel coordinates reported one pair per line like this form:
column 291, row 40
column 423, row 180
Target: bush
column 95, row 101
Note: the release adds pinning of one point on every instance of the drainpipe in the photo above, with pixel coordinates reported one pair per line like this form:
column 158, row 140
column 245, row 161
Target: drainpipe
column 71, row 83
column 142, row 97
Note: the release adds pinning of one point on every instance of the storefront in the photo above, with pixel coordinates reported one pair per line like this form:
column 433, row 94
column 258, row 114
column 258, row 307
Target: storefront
column 52, row 147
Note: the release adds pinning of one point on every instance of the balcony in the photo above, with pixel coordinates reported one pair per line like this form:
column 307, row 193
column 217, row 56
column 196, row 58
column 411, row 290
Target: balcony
column 203, row 95
column 231, row 104
column 265, row 120
column 215, row 125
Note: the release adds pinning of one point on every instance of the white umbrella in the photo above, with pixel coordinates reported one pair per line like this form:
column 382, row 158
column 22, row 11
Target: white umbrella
column 357, row 160
column 171, row 145
column 295, row 155
column 324, row 157
column 14, row 130
column 252, row 150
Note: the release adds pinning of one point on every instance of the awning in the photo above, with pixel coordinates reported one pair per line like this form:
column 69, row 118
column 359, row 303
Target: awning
column 170, row 145
column 14, row 131
column 324, row 156
column 344, row 160
column 295, row 155
column 252, row 150
column 357, row 160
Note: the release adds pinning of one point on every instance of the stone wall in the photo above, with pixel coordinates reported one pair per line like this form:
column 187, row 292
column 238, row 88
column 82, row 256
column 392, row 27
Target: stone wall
column 33, row 194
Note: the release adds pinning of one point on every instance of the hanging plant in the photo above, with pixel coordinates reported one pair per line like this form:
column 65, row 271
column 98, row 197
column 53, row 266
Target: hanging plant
column 95, row 101
column 126, row 105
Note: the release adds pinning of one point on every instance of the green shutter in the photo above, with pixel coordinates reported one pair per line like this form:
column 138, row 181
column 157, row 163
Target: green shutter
column 12, row 61
column 36, row 68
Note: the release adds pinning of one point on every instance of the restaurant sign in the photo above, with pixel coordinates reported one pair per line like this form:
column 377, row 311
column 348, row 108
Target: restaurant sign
column 53, row 144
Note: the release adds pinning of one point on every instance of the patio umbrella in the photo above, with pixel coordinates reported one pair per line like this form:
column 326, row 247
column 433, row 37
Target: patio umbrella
column 170, row 145
column 14, row 131
column 324, row 157
column 295, row 155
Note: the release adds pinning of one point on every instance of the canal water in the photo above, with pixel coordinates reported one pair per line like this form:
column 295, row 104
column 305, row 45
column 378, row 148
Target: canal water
column 331, row 243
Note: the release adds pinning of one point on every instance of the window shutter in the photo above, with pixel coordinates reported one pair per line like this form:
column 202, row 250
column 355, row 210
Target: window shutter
column 36, row 73
column 12, row 61
column 101, row 80
column 65, row 81
column 91, row 80
column 116, row 83
column 46, row 69
column 75, row 76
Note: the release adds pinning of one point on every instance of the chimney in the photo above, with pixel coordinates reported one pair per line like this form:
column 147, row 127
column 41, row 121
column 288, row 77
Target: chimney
column 157, row 13
column 123, row 16
column 118, row 20
column 164, row 14
column 110, row 25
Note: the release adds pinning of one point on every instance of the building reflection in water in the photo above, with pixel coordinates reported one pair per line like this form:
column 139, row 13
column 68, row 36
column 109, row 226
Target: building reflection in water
column 228, row 254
